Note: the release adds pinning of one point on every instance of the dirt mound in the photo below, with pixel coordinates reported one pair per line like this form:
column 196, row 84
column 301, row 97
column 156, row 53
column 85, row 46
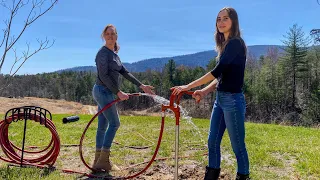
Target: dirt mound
column 52, row 105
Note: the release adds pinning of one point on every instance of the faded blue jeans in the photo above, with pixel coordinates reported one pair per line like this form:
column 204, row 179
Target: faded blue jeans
column 108, row 121
column 228, row 113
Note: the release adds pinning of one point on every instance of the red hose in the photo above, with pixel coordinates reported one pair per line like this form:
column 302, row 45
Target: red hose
column 87, row 127
column 132, row 176
column 10, row 150
column 155, row 152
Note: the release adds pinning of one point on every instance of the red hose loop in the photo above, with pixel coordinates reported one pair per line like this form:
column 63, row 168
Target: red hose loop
column 155, row 152
column 87, row 127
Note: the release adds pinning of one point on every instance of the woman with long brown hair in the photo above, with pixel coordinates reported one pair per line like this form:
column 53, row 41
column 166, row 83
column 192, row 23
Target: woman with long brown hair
column 229, row 107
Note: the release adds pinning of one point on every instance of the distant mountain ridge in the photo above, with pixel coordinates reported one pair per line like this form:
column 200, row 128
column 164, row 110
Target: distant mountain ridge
column 190, row 60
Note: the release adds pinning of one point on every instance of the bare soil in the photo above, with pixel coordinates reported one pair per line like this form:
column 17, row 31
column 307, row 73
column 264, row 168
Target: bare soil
column 52, row 105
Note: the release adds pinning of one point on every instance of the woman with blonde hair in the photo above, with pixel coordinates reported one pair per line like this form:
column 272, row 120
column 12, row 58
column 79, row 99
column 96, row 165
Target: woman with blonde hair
column 109, row 68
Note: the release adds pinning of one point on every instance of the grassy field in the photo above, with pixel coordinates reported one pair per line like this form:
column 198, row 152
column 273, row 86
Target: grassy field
column 275, row 152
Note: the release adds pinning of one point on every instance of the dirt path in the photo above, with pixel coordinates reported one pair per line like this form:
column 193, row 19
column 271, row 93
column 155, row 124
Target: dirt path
column 53, row 105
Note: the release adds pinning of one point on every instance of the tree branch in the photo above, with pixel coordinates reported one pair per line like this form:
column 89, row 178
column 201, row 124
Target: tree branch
column 31, row 18
column 43, row 45
column 16, row 59
column 12, row 14
column 4, row 37
column 39, row 4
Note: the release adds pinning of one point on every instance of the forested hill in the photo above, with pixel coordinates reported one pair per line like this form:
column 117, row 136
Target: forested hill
column 191, row 60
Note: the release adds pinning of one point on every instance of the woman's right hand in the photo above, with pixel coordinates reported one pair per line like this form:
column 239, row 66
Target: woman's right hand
column 122, row 96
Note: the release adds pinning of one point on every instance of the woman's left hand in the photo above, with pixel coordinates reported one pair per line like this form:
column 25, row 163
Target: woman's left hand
column 198, row 95
column 147, row 89
column 177, row 89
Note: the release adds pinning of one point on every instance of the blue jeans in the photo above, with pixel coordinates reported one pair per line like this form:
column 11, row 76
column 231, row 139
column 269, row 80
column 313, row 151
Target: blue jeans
column 228, row 113
column 108, row 121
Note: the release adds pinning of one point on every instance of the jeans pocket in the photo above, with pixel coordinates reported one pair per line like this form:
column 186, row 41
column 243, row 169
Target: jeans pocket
column 227, row 102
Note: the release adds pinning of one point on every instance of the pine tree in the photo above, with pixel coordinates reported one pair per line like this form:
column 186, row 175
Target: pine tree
column 294, row 60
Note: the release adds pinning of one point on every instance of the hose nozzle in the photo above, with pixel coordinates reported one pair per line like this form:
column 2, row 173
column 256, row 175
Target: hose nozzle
column 136, row 94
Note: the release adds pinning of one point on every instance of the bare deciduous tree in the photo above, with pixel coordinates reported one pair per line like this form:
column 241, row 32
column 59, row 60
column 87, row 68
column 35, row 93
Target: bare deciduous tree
column 34, row 10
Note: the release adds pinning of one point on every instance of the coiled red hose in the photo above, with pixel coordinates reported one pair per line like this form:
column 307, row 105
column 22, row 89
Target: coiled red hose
column 11, row 150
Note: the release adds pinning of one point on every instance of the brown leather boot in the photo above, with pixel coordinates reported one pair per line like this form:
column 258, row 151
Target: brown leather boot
column 96, row 157
column 103, row 162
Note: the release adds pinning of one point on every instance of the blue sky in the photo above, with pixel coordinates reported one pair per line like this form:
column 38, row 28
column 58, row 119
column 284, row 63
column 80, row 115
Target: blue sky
column 149, row 29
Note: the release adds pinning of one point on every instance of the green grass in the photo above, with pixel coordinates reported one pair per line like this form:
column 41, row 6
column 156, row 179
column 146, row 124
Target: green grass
column 275, row 152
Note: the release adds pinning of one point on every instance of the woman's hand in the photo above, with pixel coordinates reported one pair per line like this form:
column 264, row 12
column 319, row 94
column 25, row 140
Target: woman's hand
column 178, row 89
column 198, row 95
column 122, row 96
column 147, row 89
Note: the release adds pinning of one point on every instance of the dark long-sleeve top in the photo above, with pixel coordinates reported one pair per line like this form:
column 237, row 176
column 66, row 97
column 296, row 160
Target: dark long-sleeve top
column 230, row 67
column 109, row 67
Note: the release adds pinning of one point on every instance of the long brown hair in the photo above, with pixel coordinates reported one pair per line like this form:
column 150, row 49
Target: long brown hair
column 234, row 32
column 116, row 45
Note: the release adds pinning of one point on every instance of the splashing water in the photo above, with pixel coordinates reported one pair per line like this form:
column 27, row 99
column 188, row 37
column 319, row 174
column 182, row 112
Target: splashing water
column 183, row 112
column 161, row 100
